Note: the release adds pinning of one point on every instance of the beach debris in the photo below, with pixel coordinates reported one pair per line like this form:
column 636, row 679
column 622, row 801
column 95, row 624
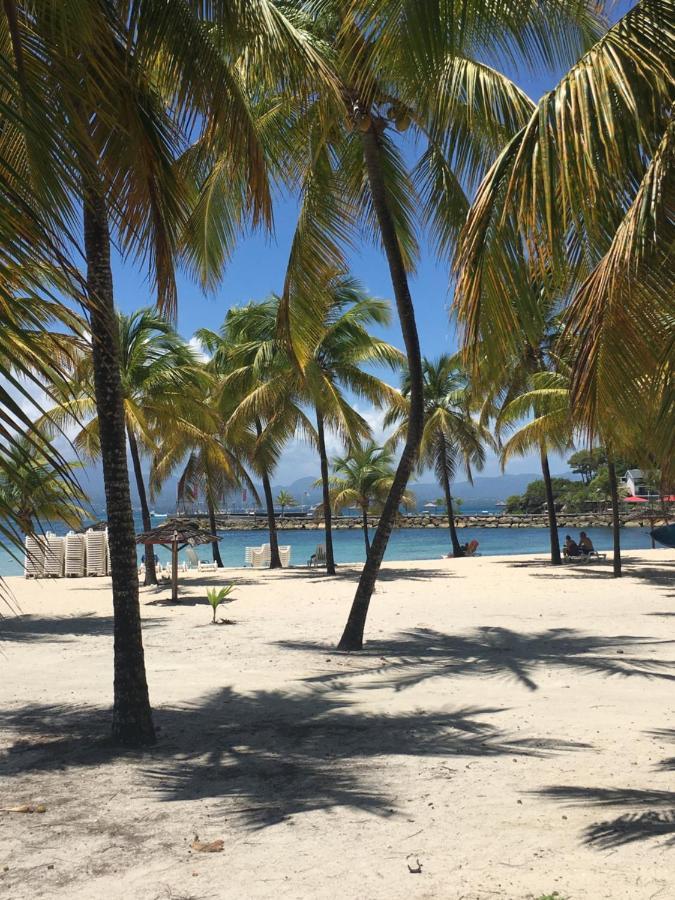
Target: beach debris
column 26, row 808
column 207, row 846
column 416, row 868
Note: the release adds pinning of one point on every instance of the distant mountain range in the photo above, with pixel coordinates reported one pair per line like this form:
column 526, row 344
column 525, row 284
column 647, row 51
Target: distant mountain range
column 485, row 491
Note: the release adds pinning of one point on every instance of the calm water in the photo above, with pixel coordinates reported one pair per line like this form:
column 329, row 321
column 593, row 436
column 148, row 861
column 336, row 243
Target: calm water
column 405, row 543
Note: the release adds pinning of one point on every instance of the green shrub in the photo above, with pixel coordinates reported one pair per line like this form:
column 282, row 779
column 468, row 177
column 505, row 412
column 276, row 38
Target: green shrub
column 216, row 596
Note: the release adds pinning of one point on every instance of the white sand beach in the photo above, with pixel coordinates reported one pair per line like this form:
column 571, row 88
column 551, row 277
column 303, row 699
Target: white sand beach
column 508, row 731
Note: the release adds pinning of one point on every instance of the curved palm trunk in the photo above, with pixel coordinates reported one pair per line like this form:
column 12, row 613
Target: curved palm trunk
column 215, row 549
column 366, row 536
column 616, row 522
column 352, row 637
column 327, row 511
column 454, row 540
column 132, row 715
column 550, row 506
column 150, row 573
column 275, row 559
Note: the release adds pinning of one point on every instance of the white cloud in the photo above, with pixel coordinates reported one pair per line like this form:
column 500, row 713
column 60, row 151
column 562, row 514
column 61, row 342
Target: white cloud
column 195, row 344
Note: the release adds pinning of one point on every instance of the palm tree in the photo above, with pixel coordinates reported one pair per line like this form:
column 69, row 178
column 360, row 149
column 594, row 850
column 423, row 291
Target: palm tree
column 161, row 376
column 258, row 391
column 343, row 344
column 33, row 357
column 284, row 499
column 363, row 479
column 584, row 187
column 213, row 462
column 35, row 491
column 548, row 404
column 114, row 98
column 403, row 66
column 451, row 435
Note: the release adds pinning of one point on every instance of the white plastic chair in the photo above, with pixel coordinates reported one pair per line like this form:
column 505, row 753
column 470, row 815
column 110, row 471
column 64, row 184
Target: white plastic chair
column 260, row 557
column 318, row 558
column 34, row 559
column 285, row 556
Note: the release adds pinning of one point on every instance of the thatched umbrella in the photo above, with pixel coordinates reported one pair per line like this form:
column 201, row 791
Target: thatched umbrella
column 175, row 536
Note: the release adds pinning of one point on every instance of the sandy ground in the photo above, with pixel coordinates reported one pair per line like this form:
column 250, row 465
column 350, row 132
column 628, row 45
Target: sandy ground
column 509, row 730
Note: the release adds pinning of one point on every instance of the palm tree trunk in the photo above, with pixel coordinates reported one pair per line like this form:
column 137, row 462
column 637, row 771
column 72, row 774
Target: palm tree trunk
column 275, row 559
column 454, row 540
column 366, row 536
column 150, row 573
column 550, row 505
column 327, row 511
column 352, row 637
column 132, row 715
column 616, row 522
column 212, row 526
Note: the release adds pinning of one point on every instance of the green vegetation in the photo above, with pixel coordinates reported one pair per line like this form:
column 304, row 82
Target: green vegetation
column 170, row 132
column 451, row 436
column 284, row 499
column 216, row 596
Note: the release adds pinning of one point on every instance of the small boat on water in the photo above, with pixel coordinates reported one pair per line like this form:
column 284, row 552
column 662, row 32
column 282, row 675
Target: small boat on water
column 156, row 515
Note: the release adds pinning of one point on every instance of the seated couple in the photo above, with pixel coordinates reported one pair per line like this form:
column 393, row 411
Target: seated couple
column 468, row 549
column 583, row 548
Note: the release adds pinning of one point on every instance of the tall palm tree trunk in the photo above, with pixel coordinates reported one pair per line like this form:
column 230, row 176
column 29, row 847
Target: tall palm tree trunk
column 215, row 549
column 352, row 637
column 366, row 536
column 550, row 506
column 150, row 573
column 616, row 522
column 132, row 715
column 454, row 540
column 327, row 512
column 275, row 559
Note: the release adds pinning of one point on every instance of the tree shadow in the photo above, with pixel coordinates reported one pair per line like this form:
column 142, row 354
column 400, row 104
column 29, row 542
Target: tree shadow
column 638, row 823
column 24, row 628
column 667, row 735
column 643, row 570
column 489, row 651
column 269, row 755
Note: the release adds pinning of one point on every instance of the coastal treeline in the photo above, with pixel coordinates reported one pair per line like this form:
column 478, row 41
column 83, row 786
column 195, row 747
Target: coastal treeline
column 165, row 132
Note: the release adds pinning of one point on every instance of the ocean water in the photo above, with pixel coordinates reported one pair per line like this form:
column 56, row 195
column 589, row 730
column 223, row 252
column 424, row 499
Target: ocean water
column 404, row 544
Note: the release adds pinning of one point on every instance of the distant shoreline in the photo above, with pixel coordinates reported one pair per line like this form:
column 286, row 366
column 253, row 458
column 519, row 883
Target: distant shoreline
column 473, row 520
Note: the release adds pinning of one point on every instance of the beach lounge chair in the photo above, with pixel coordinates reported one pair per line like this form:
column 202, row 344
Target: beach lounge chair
column 34, row 561
column 207, row 566
column 75, row 554
column 248, row 554
column 192, row 558
column 285, row 556
column 55, row 555
column 471, row 548
column 318, row 558
column 582, row 557
column 260, row 557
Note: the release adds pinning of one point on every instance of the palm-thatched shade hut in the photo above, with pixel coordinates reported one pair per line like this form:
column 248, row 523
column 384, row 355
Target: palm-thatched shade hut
column 175, row 536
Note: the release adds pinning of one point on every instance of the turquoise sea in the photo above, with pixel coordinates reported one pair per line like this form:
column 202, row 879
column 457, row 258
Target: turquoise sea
column 405, row 543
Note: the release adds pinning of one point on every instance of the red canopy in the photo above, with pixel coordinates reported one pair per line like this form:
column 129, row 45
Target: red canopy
column 635, row 500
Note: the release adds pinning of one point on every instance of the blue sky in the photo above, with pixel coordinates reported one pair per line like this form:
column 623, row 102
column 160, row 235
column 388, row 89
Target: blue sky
column 257, row 268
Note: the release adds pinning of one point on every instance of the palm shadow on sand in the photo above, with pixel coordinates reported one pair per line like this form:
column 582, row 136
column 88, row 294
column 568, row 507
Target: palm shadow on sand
column 495, row 652
column 266, row 757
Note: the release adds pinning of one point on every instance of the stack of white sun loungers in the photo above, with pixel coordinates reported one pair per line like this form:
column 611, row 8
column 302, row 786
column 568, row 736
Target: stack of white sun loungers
column 97, row 552
column 34, row 559
column 55, row 554
column 76, row 552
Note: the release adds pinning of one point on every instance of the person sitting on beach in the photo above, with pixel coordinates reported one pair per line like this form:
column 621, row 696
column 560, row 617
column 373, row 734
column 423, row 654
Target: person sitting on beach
column 571, row 547
column 586, row 544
